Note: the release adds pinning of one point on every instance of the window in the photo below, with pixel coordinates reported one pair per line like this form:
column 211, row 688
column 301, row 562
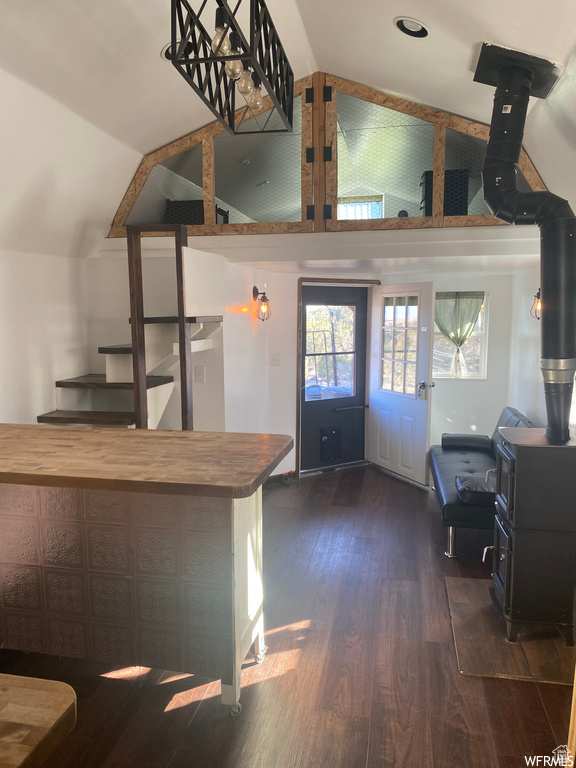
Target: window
column 473, row 352
column 360, row 207
column 330, row 357
column 399, row 344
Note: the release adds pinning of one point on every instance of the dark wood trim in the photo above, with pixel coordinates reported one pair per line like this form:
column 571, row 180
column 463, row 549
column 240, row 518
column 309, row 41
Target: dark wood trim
column 319, row 140
column 338, row 281
column 299, row 382
column 184, row 336
column 137, row 326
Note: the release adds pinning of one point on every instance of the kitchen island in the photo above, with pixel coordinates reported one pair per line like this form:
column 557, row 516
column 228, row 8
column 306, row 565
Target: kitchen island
column 135, row 547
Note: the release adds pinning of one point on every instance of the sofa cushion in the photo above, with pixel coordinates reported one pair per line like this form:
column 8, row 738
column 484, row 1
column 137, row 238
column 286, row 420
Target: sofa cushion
column 466, row 442
column 475, row 489
column 509, row 417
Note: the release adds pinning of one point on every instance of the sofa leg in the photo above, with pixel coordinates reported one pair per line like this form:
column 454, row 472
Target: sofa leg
column 451, row 551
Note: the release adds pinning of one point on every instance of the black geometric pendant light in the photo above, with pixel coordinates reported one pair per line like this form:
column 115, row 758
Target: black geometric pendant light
column 231, row 69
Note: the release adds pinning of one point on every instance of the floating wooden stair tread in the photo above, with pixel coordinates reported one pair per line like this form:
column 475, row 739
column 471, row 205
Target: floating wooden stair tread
column 116, row 349
column 102, row 418
column 98, row 381
column 174, row 319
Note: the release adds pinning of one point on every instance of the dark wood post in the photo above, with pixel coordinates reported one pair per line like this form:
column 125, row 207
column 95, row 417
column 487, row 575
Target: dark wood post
column 184, row 335
column 137, row 324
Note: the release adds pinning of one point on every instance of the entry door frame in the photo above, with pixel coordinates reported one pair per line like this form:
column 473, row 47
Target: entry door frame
column 299, row 378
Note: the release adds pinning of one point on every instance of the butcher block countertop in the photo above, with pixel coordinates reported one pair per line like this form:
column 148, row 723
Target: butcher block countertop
column 35, row 717
column 224, row 464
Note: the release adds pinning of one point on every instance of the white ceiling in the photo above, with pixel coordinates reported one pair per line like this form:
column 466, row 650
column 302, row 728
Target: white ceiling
column 102, row 60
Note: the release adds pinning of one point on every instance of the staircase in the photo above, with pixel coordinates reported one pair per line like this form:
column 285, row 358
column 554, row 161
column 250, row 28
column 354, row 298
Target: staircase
column 139, row 367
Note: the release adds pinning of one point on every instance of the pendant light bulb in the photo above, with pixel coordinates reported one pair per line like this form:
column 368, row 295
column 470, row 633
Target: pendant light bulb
column 220, row 41
column 255, row 99
column 235, row 67
column 245, row 82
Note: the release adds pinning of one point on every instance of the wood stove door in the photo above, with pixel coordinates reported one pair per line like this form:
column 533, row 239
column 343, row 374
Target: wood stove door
column 500, row 571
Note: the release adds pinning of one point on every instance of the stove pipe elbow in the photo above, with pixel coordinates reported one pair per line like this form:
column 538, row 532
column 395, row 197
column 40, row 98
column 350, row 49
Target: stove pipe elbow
column 557, row 225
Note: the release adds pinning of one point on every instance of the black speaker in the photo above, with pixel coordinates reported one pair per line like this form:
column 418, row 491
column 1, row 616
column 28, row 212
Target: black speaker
column 455, row 192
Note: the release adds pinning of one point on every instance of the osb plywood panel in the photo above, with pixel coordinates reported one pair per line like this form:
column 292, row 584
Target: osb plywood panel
column 319, row 179
column 438, row 182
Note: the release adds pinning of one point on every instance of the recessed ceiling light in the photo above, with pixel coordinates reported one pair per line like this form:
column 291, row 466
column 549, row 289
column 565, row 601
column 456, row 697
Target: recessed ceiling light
column 411, row 27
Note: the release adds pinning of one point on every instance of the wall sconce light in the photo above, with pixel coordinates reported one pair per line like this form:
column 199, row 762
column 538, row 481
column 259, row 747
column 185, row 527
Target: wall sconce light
column 263, row 304
column 536, row 308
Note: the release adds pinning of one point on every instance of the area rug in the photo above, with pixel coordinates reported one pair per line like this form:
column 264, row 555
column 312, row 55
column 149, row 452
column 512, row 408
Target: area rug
column 540, row 652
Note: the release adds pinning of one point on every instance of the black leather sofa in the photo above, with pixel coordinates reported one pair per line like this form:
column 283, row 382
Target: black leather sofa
column 464, row 477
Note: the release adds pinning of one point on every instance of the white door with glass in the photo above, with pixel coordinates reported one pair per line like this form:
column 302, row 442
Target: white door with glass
column 401, row 338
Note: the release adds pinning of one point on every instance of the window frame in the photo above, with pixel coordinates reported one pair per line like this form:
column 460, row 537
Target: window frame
column 483, row 351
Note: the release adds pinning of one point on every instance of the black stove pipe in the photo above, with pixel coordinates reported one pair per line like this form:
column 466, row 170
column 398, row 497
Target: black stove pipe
column 557, row 243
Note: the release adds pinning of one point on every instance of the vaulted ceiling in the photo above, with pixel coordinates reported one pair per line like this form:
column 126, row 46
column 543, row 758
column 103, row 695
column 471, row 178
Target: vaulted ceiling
column 103, row 61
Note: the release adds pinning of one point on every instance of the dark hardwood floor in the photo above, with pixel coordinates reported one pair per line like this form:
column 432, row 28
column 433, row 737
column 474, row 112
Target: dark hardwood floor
column 361, row 670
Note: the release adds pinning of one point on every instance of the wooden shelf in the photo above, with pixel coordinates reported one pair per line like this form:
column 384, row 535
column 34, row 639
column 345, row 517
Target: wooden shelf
column 173, row 319
column 116, row 349
column 98, row 381
column 100, row 418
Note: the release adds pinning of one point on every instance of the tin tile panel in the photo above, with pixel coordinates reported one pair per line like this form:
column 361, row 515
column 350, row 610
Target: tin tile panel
column 21, row 587
column 61, row 504
column 109, row 549
column 156, row 552
column 111, row 597
column 19, row 541
column 63, row 544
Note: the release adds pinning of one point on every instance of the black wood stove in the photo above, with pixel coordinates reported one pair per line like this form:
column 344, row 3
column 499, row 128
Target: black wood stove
column 534, row 557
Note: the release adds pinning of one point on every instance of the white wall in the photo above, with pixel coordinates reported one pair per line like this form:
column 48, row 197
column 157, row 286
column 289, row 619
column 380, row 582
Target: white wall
column 245, row 353
column 61, row 182
column 42, row 331
column 282, row 340
column 459, row 405
column 526, row 390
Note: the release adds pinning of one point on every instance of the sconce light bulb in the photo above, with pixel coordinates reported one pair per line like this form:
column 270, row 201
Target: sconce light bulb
column 536, row 309
column 264, row 308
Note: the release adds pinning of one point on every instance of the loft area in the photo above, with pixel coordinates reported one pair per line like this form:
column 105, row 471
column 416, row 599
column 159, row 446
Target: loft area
column 361, row 159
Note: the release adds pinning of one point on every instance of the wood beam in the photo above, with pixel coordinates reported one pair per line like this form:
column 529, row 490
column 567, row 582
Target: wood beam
column 184, row 336
column 137, row 326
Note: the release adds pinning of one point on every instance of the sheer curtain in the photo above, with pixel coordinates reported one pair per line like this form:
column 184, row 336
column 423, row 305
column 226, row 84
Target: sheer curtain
column 456, row 314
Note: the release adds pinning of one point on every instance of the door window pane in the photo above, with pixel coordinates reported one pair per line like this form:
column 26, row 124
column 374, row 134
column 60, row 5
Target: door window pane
column 399, row 344
column 330, row 356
